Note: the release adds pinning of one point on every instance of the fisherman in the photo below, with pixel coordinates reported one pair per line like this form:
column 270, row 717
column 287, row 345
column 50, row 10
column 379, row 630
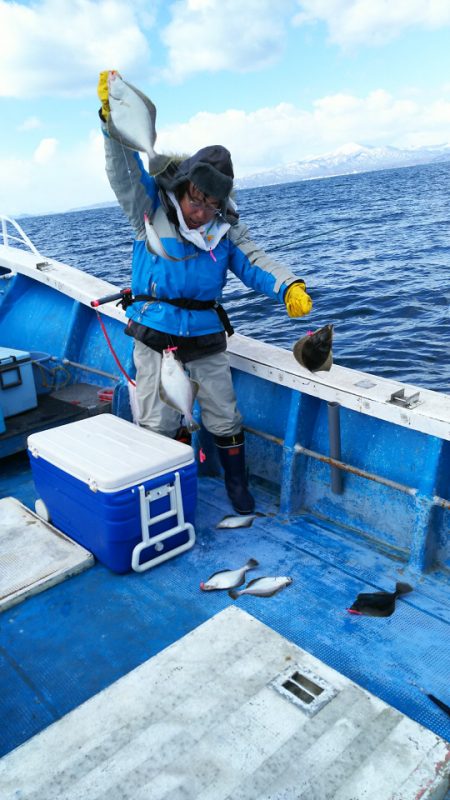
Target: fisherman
column 177, row 286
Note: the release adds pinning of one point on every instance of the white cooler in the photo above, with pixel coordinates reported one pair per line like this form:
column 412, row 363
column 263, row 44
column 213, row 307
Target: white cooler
column 124, row 493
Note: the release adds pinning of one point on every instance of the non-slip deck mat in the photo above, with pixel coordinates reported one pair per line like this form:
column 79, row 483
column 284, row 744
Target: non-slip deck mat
column 205, row 719
column 63, row 646
column 33, row 554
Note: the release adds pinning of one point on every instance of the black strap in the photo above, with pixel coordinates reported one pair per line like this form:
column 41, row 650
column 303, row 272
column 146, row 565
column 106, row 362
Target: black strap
column 188, row 303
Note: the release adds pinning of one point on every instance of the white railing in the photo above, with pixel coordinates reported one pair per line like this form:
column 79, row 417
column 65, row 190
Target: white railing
column 22, row 238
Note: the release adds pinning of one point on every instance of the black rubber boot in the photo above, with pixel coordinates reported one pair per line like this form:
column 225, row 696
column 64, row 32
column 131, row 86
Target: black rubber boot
column 231, row 451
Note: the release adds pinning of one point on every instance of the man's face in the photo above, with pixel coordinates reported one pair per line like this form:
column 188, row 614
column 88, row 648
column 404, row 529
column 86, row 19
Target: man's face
column 198, row 208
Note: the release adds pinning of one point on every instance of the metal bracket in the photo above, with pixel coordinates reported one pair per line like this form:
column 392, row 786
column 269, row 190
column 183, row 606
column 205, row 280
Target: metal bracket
column 399, row 399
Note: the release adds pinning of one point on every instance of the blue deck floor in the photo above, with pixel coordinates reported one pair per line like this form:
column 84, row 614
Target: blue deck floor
column 59, row 648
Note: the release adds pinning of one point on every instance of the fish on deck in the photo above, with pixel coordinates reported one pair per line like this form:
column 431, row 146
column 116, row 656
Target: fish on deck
column 314, row 351
column 228, row 578
column 263, row 587
column 378, row 604
column 176, row 388
column 236, row 521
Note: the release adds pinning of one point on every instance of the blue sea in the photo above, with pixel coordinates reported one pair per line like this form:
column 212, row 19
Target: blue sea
column 373, row 249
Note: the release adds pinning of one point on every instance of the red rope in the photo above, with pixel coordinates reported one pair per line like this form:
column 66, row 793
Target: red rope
column 105, row 334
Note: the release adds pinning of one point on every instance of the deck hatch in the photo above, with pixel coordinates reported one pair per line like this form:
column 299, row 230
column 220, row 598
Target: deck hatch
column 304, row 688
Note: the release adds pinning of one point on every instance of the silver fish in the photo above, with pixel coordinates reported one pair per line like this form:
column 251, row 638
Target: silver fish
column 155, row 245
column 177, row 389
column 133, row 116
column 263, row 587
column 228, row 578
column 238, row 521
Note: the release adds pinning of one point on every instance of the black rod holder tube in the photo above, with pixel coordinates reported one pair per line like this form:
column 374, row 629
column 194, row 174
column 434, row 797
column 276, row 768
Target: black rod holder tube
column 334, row 434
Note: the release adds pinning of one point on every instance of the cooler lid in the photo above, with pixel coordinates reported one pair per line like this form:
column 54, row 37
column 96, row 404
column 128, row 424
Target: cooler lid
column 9, row 356
column 109, row 451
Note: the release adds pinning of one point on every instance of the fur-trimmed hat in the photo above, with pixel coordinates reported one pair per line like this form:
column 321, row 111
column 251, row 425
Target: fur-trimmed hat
column 210, row 170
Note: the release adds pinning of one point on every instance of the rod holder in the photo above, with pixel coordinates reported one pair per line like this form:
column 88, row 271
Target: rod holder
column 334, row 435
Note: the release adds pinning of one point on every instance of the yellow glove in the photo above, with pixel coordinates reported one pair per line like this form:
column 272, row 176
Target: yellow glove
column 297, row 302
column 102, row 91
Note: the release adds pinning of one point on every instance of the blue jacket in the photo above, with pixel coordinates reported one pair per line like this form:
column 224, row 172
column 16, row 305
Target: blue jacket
column 201, row 277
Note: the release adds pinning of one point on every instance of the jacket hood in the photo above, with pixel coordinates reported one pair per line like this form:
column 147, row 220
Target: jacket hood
column 210, row 170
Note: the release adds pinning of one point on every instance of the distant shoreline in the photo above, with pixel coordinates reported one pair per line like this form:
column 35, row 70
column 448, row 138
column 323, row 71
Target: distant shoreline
column 243, row 184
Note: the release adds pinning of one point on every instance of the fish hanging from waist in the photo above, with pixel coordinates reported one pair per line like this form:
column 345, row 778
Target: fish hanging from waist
column 176, row 388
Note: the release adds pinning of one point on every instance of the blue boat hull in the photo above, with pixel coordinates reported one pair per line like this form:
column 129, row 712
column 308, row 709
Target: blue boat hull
column 339, row 521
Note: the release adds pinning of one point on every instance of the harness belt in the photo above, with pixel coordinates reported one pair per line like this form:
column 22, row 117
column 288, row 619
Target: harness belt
column 183, row 302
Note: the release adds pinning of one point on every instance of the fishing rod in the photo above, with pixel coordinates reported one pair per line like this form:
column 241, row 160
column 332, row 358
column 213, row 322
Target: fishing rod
column 307, row 238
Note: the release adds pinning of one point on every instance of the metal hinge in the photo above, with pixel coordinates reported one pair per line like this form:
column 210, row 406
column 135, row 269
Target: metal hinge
column 399, row 399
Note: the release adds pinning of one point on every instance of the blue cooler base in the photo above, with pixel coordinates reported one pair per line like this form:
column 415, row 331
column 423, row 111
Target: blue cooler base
column 109, row 523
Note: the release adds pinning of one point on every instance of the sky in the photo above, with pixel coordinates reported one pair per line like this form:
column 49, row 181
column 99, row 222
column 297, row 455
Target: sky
column 275, row 82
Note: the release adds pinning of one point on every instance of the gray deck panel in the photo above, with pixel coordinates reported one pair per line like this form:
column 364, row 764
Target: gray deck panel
column 199, row 721
column 33, row 554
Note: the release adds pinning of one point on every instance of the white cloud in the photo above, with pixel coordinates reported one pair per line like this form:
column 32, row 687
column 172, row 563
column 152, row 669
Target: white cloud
column 71, row 178
column 264, row 138
column 45, row 151
column 55, row 47
column 285, row 133
column 373, row 22
column 30, row 124
column 211, row 35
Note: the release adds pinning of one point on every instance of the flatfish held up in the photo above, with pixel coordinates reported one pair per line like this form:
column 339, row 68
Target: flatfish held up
column 314, row 351
column 133, row 115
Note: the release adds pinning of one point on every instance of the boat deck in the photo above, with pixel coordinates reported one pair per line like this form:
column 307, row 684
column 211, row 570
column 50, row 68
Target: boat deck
column 61, row 647
column 209, row 718
column 65, row 405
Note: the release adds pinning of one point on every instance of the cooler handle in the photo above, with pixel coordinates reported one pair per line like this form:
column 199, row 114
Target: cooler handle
column 176, row 509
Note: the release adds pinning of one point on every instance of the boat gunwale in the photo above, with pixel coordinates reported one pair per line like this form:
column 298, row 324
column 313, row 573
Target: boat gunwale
column 267, row 361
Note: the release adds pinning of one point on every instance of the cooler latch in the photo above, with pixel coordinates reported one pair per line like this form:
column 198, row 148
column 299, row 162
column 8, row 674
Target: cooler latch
column 173, row 491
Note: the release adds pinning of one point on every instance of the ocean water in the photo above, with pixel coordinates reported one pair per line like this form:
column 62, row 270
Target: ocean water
column 373, row 249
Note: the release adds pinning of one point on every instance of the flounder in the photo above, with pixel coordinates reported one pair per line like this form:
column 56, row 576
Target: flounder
column 228, row 578
column 313, row 351
column 378, row 604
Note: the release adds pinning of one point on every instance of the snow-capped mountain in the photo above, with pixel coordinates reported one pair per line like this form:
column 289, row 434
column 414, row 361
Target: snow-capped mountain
column 346, row 160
